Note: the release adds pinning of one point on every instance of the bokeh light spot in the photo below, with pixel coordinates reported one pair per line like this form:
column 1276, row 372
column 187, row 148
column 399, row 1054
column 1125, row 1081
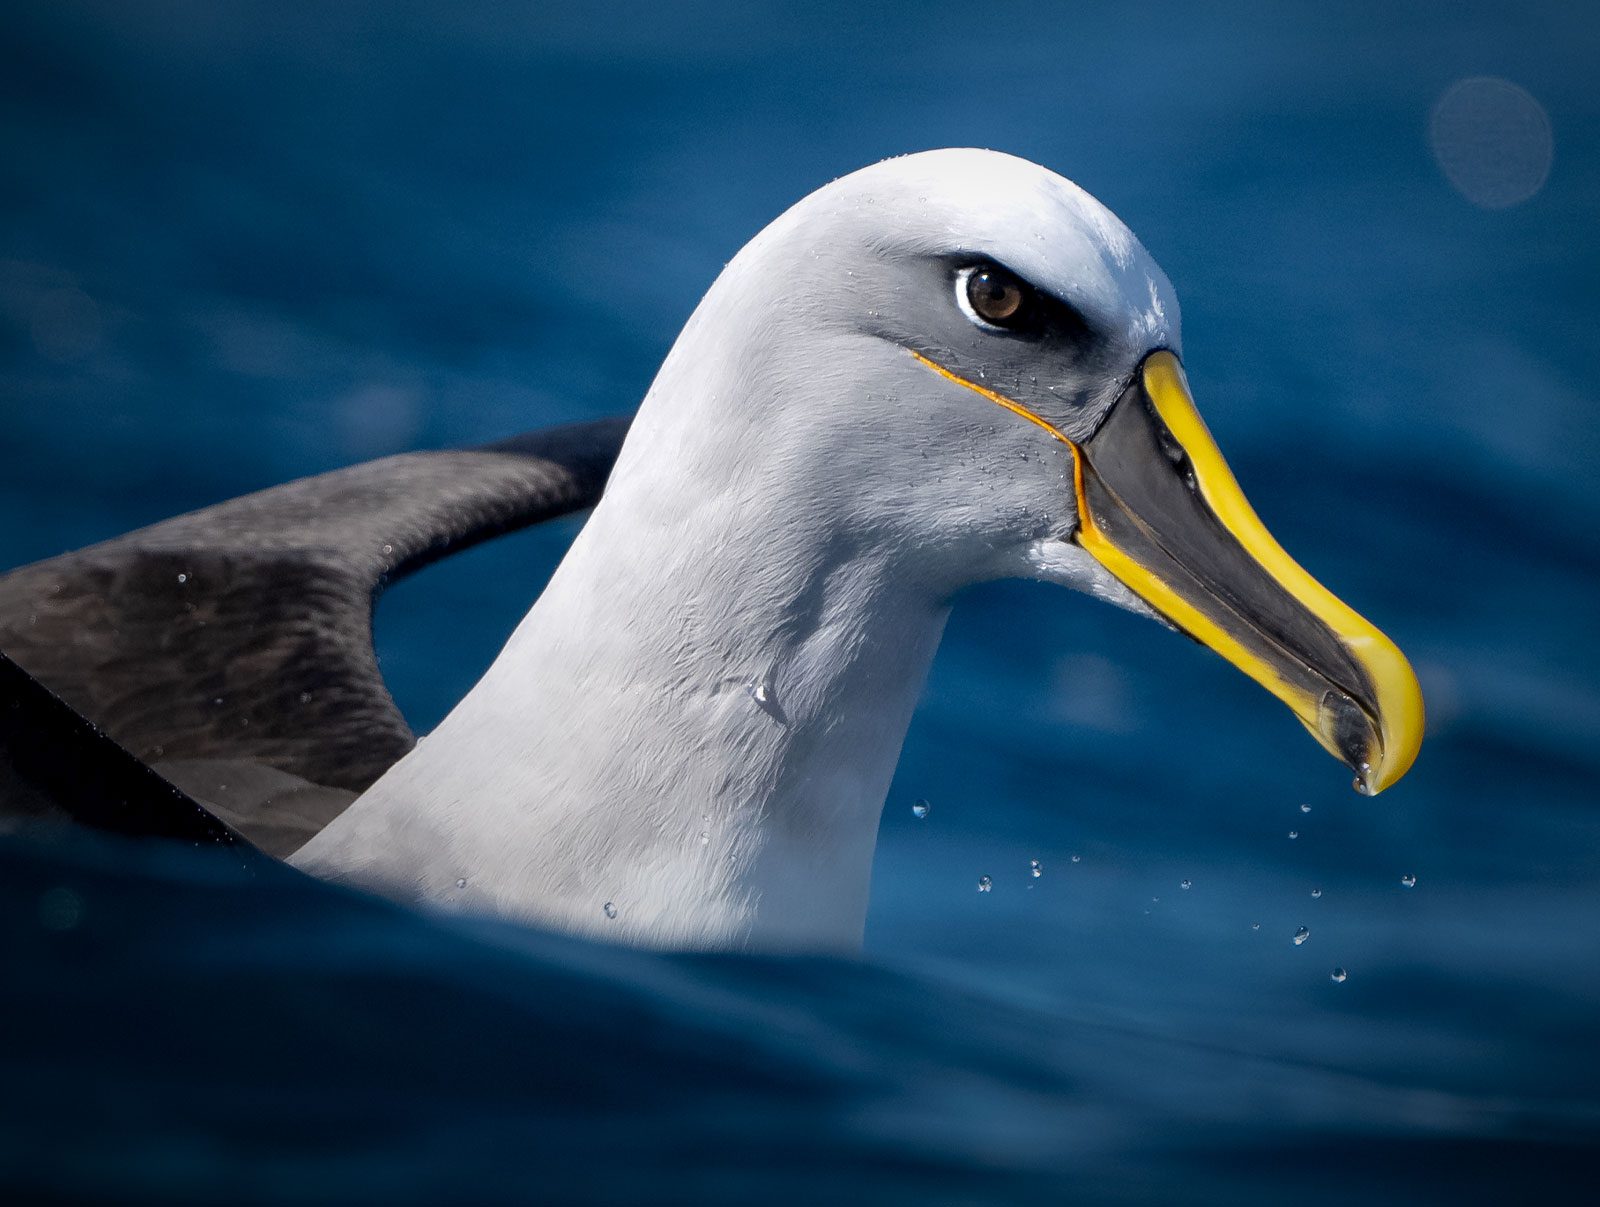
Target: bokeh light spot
column 1492, row 140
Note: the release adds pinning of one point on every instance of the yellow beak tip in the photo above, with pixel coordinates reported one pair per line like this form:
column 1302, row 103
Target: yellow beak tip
column 1401, row 715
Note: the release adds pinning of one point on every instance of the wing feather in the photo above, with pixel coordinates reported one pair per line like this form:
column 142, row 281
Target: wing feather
column 241, row 634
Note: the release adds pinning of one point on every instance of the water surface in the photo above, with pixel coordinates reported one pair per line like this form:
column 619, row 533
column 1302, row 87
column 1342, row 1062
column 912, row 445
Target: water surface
column 245, row 242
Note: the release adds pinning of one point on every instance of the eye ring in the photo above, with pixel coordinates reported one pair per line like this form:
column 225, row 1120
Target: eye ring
column 994, row 297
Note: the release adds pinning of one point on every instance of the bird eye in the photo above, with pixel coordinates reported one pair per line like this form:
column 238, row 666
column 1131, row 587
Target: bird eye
column 995, row 296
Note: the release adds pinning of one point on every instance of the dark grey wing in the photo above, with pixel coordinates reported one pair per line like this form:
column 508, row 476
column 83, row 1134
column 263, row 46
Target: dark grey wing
column 231, row 648
column 56, row 767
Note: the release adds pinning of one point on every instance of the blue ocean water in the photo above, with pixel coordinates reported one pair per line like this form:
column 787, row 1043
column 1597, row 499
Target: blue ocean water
column 244, row 242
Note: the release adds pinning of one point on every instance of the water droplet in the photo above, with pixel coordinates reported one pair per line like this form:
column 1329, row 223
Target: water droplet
column 1255, row 926
column 1363, row 780
column 1305, row 808
column 920, row 809
column 1187, row 884
column 1294, row 834
column 183, row 578
column 1077, row 859
column 766, row 699
column 461, row 883
column 1338, row 976
column 705, row 838
column 1035, row 868
column 1409, row 880
column 985, row 884
column 387, row 549
column 1301, row 935
column 305, row 697
column 1316, row 892
column 611, row 909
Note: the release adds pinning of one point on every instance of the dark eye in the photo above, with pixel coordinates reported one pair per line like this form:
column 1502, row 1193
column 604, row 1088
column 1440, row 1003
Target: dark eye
column 998, row 297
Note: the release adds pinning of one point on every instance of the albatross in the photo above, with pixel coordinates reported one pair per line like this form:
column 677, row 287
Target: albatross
column 943, row 369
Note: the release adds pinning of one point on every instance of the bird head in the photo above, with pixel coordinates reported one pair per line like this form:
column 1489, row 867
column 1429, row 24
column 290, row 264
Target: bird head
column 975, row 362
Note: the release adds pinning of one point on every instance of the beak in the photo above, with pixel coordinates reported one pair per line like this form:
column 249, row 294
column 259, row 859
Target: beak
column 1159, row 508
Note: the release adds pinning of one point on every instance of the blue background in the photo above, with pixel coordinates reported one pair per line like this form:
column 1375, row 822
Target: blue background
column 244, row 242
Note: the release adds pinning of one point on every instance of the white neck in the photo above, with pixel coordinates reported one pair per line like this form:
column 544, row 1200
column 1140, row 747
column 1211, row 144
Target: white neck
column 698, row 721
column 712, row 762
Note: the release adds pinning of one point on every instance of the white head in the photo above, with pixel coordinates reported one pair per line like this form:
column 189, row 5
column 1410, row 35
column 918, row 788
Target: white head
column 926, row 355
